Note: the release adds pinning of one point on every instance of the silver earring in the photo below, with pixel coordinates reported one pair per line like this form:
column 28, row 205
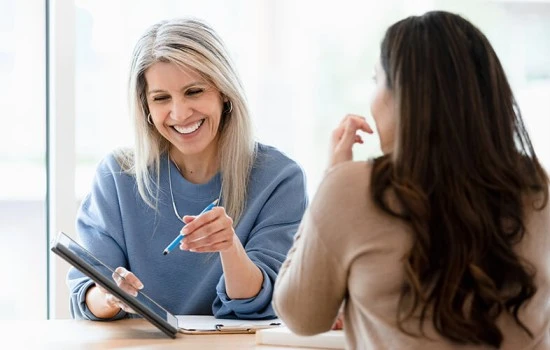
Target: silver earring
column 230, row 108
column 149, row 119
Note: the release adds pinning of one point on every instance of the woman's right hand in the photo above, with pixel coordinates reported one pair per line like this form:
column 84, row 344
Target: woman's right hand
column 345, row 136
column 105, row 305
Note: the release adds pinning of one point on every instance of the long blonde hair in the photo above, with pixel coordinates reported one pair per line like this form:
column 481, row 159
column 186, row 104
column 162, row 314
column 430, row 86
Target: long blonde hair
column 192, row 44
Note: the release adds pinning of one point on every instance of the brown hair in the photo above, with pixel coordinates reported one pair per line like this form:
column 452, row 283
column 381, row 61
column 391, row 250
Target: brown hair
column 461, row 166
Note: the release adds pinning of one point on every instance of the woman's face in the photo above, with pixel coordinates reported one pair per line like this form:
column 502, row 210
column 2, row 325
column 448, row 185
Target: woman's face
column 184, row 107
column 382, row 110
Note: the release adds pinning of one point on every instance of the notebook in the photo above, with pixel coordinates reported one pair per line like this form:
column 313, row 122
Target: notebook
column 88, row 264
column 198, row 324
column 284, row 337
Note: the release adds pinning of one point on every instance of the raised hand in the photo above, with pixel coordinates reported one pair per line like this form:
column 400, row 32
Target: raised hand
column 345, row 136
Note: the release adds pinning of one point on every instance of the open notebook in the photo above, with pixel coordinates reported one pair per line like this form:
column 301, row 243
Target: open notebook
column 83, row 260
column 195, row 324
column 283, row 336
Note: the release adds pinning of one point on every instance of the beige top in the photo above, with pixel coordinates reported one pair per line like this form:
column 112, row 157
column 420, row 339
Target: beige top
column 349, row 249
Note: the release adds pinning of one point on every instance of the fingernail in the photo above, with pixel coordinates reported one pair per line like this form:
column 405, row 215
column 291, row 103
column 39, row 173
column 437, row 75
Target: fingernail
column 140, row 286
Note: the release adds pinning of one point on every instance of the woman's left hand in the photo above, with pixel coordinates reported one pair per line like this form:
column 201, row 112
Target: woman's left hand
column 209, row 232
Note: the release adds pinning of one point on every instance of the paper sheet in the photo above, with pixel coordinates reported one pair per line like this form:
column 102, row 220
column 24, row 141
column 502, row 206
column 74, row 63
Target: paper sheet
column 208, row 323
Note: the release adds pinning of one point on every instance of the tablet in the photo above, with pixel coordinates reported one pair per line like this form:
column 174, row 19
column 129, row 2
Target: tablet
column 83, row 260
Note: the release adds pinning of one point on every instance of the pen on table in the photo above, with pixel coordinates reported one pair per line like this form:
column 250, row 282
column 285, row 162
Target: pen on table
column 178, row 239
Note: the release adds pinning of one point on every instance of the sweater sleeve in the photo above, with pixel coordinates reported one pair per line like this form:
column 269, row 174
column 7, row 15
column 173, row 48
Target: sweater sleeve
column 268, row 243
column 100, row 231
column 311, row 286
column 312, row 283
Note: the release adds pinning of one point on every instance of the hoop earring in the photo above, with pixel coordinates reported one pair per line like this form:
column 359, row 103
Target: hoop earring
column 230, row 108
column 149, row 119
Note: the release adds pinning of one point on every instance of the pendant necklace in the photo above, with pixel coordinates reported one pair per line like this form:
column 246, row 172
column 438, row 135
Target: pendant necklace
column 180, row 218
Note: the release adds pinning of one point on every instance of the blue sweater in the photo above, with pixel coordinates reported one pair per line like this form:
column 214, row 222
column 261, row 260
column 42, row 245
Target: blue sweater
column 117, row 226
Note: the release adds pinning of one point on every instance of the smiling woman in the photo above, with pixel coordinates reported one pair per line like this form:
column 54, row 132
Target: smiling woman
column 186, row 110
column 190, row 114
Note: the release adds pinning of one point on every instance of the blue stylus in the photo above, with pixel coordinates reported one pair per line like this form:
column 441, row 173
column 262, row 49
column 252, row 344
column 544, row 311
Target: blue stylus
column 178, row 239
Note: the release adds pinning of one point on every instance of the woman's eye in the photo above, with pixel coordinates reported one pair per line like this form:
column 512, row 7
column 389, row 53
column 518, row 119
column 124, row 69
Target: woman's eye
column 192, row 92
column 160, row 98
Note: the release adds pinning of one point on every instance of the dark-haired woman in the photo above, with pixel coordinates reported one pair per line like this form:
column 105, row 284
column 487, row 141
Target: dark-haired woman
column 444, row 241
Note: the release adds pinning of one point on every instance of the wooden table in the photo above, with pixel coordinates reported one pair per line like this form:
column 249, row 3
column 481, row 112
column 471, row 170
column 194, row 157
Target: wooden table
column 123, row 334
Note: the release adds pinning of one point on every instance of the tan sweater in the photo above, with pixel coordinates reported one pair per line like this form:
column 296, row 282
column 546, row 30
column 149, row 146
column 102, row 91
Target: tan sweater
column 347, row 249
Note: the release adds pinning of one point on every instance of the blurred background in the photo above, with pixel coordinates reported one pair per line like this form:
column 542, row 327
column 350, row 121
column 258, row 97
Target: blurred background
column 304, row 66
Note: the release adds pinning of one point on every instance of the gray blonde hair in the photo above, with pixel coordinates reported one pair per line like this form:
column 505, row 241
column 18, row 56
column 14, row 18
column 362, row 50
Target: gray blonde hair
column 192, row 44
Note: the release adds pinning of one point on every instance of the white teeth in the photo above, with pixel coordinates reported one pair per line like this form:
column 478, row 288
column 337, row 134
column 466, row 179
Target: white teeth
column 189, row 129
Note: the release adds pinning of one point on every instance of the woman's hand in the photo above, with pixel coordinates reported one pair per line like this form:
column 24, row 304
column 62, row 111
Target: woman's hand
column 209, row 232
column 213, row 232
column 345, row 136
column 128, row 282
column 339, row 323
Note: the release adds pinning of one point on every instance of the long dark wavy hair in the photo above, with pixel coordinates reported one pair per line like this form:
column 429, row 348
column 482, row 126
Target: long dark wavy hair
column 461, row 168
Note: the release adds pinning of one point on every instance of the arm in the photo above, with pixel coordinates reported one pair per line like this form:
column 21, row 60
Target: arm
column 243, row 278
column 266, row 231
column 312, row 283
column 214, row 232
column 98, row 224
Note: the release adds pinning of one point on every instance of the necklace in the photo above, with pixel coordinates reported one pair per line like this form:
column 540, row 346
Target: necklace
column 180, row 218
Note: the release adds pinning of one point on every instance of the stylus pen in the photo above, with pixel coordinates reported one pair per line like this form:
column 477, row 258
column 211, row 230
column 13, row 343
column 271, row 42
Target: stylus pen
column 178, row 239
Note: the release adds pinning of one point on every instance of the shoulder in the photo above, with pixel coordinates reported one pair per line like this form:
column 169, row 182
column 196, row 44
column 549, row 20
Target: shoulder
column 348, row 178
column 269, row 154
column 110, row 183
column 114, row 167
column 347, row 218
column 344, row 192
column 360, row 169
column 117, row 161
column 271, row 161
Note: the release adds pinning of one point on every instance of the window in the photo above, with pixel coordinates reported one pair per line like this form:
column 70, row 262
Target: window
column 303, row 69
column 22, row 160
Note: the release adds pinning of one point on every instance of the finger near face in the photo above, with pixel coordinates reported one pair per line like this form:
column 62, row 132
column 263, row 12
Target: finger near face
column 352, row 116
column 351, row 121
column 359, row 123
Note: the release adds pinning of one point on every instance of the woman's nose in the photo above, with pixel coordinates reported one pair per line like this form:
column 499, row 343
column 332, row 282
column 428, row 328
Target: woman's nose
column 181, row 110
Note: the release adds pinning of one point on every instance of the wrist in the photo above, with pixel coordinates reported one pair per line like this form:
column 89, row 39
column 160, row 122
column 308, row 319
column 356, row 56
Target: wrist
column 234, row 247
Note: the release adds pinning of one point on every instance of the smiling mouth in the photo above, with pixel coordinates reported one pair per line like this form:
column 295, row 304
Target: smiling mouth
column 186, row 130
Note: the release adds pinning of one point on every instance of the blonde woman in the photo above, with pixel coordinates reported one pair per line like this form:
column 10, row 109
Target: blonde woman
column 193, row 146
